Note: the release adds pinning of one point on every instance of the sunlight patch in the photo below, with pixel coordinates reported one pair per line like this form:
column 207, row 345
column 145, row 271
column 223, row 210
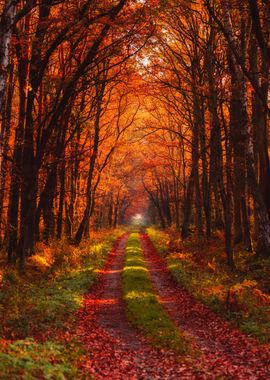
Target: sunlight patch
column 136, row 294
column 135, row 268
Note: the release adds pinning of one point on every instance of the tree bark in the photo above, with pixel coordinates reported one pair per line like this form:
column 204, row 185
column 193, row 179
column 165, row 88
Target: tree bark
column 6, row 27
column 188, row 206
column 4, row 147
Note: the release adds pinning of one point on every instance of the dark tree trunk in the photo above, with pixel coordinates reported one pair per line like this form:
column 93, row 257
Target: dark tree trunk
column 16, row 174
column 48, row 203
column 156, row 203
column 205, row 184
column 239, row 170
column 188, row 206
column 259, row 120
column 164, row 201
column 216, row 154
column 59, row 226
column 197, row 125
column 160, row 214
column 6, row 29
column 4, row 146
column 68, row 221
column 100, row 89
column 110, row 210
column 115, row 219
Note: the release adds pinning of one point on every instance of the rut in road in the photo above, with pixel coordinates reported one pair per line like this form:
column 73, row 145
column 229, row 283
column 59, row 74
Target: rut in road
column 225, row 351
column 114, row 348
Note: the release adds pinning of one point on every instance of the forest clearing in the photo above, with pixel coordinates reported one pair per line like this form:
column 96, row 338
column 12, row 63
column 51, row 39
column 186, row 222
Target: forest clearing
column 134, row 189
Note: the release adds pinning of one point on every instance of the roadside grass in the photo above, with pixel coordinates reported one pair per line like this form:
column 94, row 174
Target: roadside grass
column 242, row 297
column 38, row 310
column 142, row 305
column 28, row 360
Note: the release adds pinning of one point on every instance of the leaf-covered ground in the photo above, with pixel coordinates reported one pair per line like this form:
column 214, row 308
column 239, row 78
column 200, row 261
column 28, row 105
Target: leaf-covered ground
column 117, row 350
column 112, row 338
column 241, row 297
column 38, row 309
column 225, row 351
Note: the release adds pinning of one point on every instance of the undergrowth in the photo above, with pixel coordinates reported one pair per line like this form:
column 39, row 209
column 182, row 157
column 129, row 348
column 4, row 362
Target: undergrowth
column 142, row 305
column 38, row 310
column 29, row 360
column 240, row 296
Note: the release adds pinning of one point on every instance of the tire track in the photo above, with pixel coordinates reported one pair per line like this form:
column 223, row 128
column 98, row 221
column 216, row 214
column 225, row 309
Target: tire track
column 115, row 350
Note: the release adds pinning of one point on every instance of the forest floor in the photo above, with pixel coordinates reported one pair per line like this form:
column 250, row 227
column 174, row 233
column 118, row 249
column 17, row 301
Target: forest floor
column 117, row 349
column 135, row 322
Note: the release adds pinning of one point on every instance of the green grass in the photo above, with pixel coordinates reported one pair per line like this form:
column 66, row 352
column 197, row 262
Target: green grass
column 203, row 272
column 159, row 239
column 43, row 303
column 142, row 305
column 29, row 360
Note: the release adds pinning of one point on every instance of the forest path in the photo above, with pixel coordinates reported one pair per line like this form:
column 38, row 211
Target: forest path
column 115, row 350
column 226, row 352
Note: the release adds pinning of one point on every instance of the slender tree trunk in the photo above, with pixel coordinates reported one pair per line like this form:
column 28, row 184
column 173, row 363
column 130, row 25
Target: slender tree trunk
column 68, row 221
column 176, row 202
column 195, row 163
column 216, row 154
column 261, row 212
column 48, row 203
column 116, row 207
column 4, row 147
column 62, row 176
column 218, row 216
column 188, row 206
column 239, row 170
column 110, row 210
column 164, row 201
column 160, row 214
column 205, row 184
column 16, row 175
column 87, row 212
column 6, row 27
column 259, row 120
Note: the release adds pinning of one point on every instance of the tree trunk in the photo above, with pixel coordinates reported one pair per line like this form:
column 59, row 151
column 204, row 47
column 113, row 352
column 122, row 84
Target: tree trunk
column 16, row 176
column 99, row 96
column 188, row 206
column 110, row 210
column 115, row 219
column 205, row 184
column 62, row 176
column 197, row 125
column 259, row 120
column 6, row 27
column 216, row 154
column 4, row 146
column 239, row 170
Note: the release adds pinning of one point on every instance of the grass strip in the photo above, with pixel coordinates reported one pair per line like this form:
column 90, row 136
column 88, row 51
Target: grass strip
column 142, row 305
